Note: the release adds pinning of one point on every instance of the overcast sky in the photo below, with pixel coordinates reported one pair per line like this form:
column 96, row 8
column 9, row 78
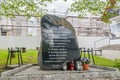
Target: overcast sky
column 59, row 6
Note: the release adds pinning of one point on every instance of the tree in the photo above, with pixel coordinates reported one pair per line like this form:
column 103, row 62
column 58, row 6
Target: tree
column 104, row 8
column 11, row 8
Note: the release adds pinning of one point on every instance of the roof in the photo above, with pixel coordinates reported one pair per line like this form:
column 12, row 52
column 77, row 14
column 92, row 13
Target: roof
column 117, row 19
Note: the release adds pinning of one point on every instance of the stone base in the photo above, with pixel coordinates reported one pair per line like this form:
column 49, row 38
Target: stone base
column 33, row 72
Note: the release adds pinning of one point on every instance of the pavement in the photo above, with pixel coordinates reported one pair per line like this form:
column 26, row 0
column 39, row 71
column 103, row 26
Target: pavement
column 33, row 72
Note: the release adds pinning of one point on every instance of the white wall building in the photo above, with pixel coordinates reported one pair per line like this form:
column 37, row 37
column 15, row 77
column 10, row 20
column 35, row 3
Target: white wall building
column 25, row 33
column 20, row 26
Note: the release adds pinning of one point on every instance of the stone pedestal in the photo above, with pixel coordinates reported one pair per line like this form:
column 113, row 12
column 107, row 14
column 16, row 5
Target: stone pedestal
column 33, row 72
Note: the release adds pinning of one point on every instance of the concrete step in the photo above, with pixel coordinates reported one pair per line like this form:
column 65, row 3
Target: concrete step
column 33, row 72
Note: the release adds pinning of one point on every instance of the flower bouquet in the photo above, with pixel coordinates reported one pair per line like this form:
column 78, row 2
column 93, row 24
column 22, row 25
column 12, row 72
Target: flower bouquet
column 85, row 63
column 85, row 60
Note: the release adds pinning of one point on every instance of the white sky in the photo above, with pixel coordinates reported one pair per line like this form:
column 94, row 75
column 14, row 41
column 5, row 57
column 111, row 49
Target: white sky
column 59, row 6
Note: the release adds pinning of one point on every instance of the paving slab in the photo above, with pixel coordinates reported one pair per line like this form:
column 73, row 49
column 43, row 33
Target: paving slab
column 33, row 72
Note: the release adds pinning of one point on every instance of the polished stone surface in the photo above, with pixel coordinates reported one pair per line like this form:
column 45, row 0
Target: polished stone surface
column 59, row 43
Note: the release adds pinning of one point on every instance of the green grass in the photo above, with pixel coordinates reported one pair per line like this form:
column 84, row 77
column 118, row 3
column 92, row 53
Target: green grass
column 100, row 61
column 29, row 57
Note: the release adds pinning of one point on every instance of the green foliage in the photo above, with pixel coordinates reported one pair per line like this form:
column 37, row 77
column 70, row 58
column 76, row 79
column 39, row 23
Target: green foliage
column 29, row 8
column 117, row 63
column 83, row 6
column 97, row 7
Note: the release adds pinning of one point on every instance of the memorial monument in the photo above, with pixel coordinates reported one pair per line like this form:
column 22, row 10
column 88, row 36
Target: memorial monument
column 58, row 44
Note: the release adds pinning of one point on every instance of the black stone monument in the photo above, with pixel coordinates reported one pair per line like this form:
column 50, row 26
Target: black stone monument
column 59, row 43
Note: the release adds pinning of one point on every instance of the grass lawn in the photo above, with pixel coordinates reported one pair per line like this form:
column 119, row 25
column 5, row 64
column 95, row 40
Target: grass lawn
column 100, row 61
column 29, row 57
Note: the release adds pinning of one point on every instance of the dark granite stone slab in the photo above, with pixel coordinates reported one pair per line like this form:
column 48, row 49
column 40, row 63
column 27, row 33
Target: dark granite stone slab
column 59, row 43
